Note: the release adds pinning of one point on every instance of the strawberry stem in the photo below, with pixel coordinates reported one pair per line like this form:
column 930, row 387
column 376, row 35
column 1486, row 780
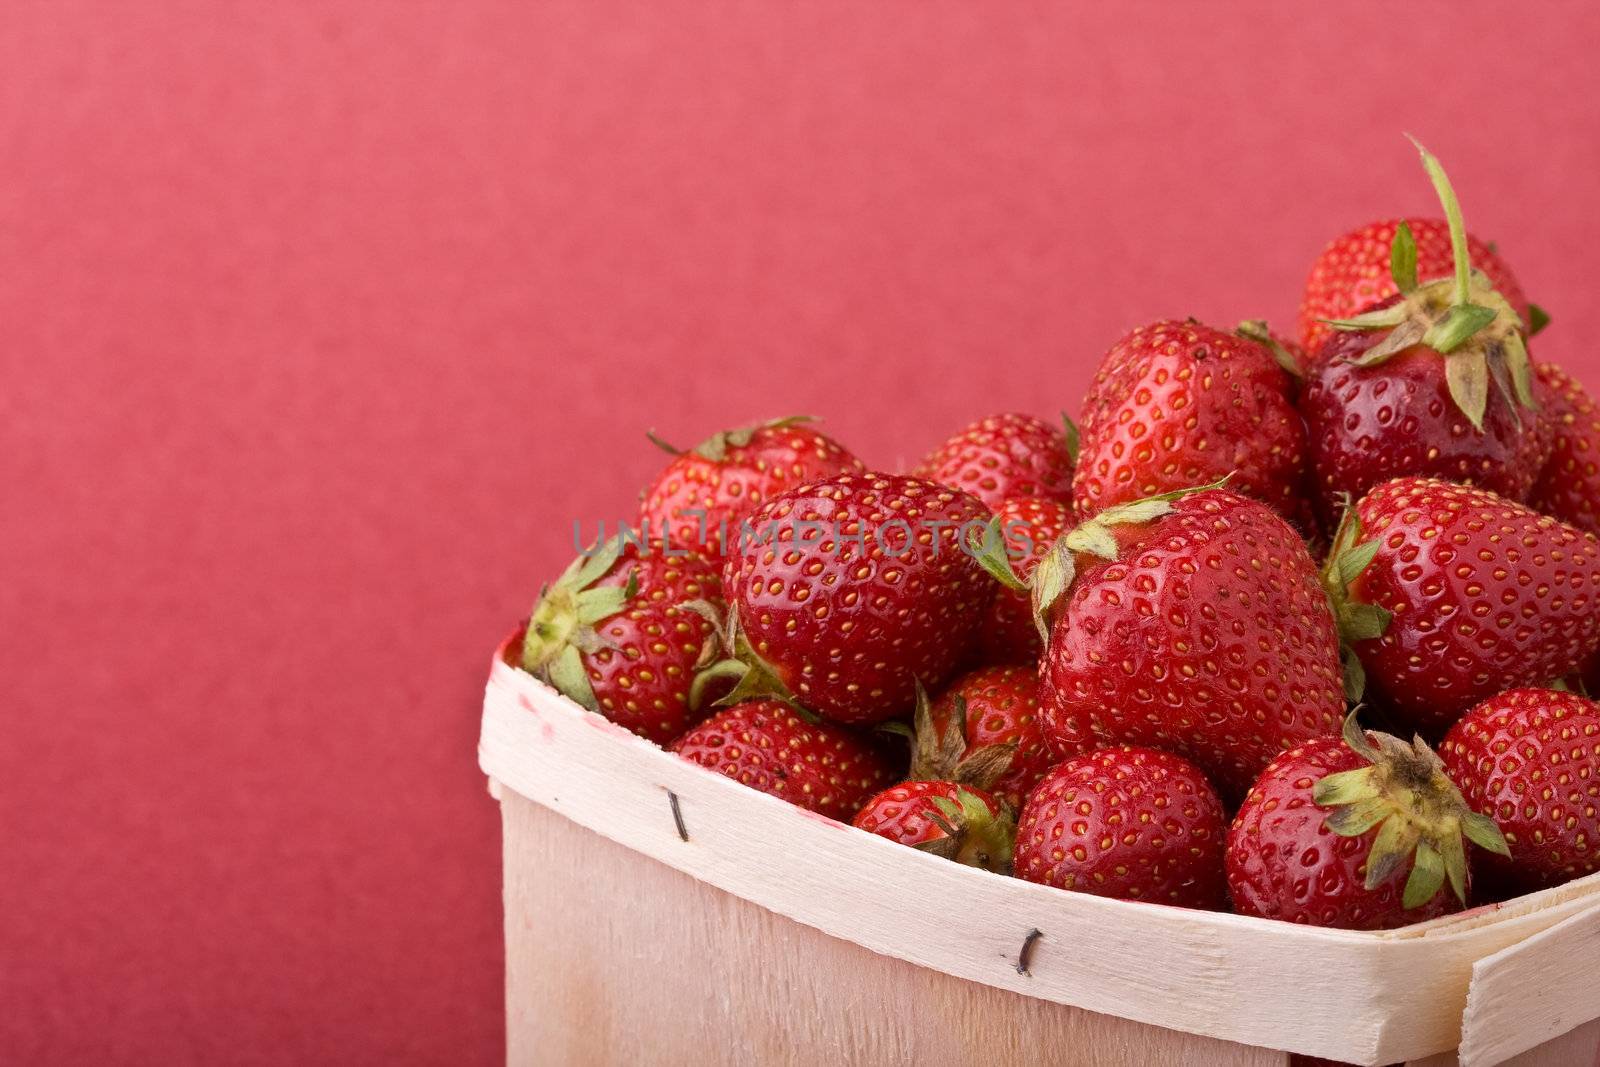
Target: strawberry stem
column 1452, row 214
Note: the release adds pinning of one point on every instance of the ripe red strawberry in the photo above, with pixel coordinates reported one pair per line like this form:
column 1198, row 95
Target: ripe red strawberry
column 1434, row 382
column 1569, row 486
column 947, row 806
column 1191, row 622
column 1530, row 760
column 1449, row 594
column 1360, row 833
column 861, row 588
column 993, row 707
column 611, row 635
column 1352, row 273
column 1178, row 404
column 768, row 746
column 1369, row 424
column 1005, row 456
column 1029, row 525
column 1134, row 823
column 958, row 822
column 701, row 496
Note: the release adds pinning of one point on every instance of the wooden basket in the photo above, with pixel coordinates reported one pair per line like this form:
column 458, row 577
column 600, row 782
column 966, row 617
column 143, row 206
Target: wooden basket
column 657, row 912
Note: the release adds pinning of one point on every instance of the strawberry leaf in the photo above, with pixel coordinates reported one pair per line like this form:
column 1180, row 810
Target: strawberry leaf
column 1345, row 787
column 1356, row 819
column 1402, row 337
column 1069, row 430
column 993, row 555
column 1403, row 259
column 1466, row 374
column 569, row 677
column 669, row 449
column 1482, row 831
column 1427, row 876
column 1458, row 326
column 1258, row 331
column 1354, row 674
column 1381, row 319
column 1538, row 319
column 1051, row 578
column 1397, row 839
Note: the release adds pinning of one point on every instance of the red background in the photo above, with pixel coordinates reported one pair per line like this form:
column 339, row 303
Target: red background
column 322, row 321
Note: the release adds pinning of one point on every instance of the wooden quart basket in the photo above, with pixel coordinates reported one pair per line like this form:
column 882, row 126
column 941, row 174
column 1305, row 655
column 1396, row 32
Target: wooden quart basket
column 659, row 913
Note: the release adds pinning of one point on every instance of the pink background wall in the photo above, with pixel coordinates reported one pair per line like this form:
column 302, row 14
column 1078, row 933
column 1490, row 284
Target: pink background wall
column 321, row 321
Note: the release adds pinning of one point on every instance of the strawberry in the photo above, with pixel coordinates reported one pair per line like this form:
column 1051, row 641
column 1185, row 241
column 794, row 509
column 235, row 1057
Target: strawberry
column 1530, row 760
column 958, row 822
column 1191, row 622
column 1433, row 382
column 1005, row 456
column 1448, row 594
column 854, row 589
column 1353, row 273
column 701, row 496
column 1359, row 833
column 1569, row 486
column 947, row 807
column 998, row 707
column 1030, row 525
column 1134, row 823
column 767, row 745
column 1177, row 404
column 610, row 634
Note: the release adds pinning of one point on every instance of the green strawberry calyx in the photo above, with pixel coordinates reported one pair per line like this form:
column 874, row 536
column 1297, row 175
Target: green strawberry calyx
column 1357, row 620
column 1478, row 333
column 1418, row 813
column 1056, row 570
column 943, row 757
column 562, row 626
column 729, row 655
column 973, row 832
column 715, row 448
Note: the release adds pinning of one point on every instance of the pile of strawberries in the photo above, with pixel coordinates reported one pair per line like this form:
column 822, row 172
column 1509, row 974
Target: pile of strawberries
column 1153, row 655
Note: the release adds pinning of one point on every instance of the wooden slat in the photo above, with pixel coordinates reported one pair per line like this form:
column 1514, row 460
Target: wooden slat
column 1377, row 998
column 613, row 958
column 1533, row 992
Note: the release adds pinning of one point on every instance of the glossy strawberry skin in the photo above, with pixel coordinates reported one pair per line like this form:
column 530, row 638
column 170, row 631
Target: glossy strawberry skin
column 900, row 812
column 767, row 746
column 857, row 595
column 1366, row 425
column 1353, row 273
column 1179, row 404
column 642, row 682
column 1134, row 823
column 1002, row 708
column 666, row 575
column 1209, row 636
column 1030, row 525
column 1004, row 456
column 1569, row 486
column 776, row 459
column 1283, row 863
column 1530, row 760
column 1486, row 594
